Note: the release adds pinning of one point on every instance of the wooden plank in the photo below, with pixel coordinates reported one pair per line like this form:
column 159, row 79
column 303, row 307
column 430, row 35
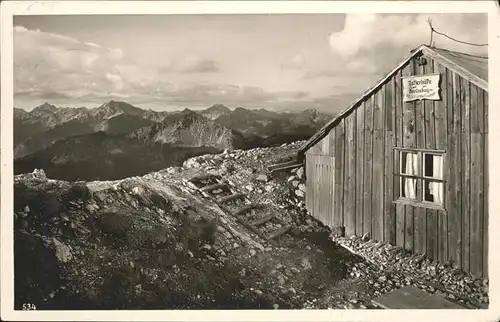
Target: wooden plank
column 409, row 138
column 486, row 215
column 315, row 149
column 409, row 228
column 202, row 177
column 398, row 109
column 400, row 225
column 262, row 220
column 323, row 190
column 409, row 135
column 315, row 188
column 360, row 125
column 420, row 220
column 477, row 181
column 418, row 141
column 390, row 140
column 234, row 196
column 482, row 103
column 343, row 160
column 325, row 145
column 246, row 209
column 441, row 127
column 475, row 109
column 465, row 186
column 430, row 116
column 432, row 233
column 287, row 168
column 390, row 105
column 215, row 186
column 421, row 107
column 280, row 165
column 368, row 167
column 331, row 181
column 339, row 151
column 410, row 297
column 476, row 204
column 377, row 221
column 278, row 232
column 309, row 182
column 441, row 108
column 442, row 237
column 389, row 207
column 326, row 187
column 486, row 188
column 430, row 216
column 333, row 139
column 378, row 167
column 312, row 188
column 319, row 192
column 400, row 209
column 350, row 183
column 454, row 146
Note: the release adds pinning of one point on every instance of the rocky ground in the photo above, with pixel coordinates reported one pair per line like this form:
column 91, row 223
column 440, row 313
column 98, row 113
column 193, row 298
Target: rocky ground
column 156, row 242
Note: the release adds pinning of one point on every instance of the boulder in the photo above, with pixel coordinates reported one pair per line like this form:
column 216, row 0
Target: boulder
column 300, row 172
column 299, row 193
column 39, row 174
column 191, row 163
column 302, row 187
column 62, row 251
column 262, row 178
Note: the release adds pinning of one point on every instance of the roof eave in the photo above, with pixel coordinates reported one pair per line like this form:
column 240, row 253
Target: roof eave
column 321, row 133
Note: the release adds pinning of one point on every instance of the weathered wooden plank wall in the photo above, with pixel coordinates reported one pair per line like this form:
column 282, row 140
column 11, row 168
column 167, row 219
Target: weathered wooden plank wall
column 320, row 178
column 359, row 163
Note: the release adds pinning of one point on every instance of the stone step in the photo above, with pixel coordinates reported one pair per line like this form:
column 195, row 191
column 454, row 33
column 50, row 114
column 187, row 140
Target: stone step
column 262, row 220
column 246, row 209
column 279, row 232
column 215, row 186
column 231, row 197
column 203, row 177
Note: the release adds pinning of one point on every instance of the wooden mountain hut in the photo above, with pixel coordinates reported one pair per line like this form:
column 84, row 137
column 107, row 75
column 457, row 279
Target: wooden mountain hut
column 407, row 162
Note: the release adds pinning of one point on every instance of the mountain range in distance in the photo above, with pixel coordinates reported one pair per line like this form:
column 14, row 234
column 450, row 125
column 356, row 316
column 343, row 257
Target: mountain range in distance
column 118, row 139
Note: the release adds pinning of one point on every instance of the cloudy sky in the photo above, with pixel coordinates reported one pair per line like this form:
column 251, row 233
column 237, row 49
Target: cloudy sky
column 167, row 62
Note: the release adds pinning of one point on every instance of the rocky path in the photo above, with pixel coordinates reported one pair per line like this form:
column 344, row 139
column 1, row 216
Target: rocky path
column 383, row 268
column 168, row 240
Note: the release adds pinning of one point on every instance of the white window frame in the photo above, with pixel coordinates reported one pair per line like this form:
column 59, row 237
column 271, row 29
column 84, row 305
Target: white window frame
column 420, row 177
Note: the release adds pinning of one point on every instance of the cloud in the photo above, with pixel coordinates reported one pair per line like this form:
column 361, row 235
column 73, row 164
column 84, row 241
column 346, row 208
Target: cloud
column 198, row 65
column 56, row 63
column 189, row 64
column 210, row 92
column 60, row 69
column 378, row 41
column 296, row 62
column 322, row 73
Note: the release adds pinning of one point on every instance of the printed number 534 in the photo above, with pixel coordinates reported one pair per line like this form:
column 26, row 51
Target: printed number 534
column 29, row 307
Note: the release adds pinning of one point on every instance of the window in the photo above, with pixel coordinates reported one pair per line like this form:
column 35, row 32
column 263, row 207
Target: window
column 420, row 176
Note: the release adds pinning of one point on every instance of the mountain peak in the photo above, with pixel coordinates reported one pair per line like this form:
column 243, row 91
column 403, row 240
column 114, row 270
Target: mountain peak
column 113, row 107
column 219, row 108
column 45, row 107
column 187, row 111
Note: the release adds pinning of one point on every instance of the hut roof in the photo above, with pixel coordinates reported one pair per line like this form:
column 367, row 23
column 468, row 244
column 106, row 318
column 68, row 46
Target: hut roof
column 471, row 67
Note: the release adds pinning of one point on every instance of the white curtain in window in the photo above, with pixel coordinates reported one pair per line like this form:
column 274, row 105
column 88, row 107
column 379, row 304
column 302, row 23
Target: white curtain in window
column 411, row 167
column 436, row 188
